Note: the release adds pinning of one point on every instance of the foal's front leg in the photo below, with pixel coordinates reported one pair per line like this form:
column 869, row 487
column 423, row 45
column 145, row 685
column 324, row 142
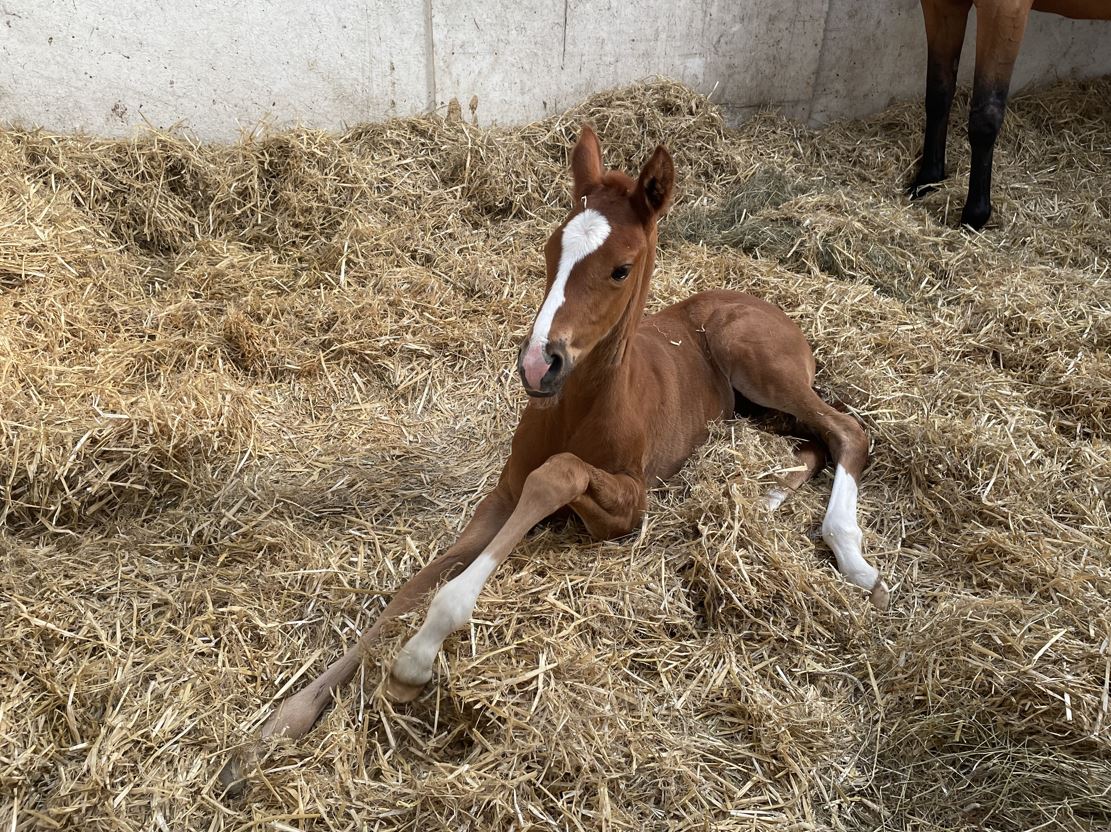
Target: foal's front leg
column 609, row 504
column 296, row 715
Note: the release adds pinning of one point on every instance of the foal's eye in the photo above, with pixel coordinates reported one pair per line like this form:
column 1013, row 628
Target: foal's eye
column 620, row 273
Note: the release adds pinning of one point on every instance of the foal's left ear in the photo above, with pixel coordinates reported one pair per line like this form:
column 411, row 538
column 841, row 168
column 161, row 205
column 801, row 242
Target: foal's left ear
column 656, row 184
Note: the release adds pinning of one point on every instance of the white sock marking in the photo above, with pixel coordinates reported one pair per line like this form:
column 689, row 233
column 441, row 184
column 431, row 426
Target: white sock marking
column 774, row 498
column 842, row 533
column 449, row 610
column 582, row 236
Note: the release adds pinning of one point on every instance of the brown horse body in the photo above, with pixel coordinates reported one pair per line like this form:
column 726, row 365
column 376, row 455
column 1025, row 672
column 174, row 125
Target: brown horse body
column 617, row 402
column 999, row 30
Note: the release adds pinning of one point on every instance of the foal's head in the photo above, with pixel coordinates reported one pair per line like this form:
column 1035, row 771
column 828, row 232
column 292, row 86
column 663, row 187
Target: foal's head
column 599, row 263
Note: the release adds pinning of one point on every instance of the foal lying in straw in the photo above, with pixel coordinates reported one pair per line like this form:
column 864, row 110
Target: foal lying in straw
column 617, row 401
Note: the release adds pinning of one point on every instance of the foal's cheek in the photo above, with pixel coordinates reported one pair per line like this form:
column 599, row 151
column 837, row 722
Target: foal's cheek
column 605, row 311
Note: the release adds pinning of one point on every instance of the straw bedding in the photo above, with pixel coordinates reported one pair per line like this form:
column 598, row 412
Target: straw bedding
column 246, row 390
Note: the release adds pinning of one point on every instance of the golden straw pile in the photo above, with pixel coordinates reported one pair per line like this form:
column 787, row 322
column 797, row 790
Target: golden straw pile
column 246, row 390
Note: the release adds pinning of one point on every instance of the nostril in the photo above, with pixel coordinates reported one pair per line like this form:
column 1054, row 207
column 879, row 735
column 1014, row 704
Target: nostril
column 555, row 365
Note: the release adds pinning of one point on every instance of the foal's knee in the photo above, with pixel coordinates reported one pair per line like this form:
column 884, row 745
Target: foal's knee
column 562, row 475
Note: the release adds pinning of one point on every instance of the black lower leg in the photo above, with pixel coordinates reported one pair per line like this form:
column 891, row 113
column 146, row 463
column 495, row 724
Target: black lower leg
column 941, row 81
column 989, row 103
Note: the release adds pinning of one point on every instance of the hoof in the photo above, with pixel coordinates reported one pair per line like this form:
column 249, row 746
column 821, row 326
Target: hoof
column 402, row 692
column 917, row 190
column 232, row 778
column 926, row 182
column 774, row 499
column 975, row 217
column 880, row 595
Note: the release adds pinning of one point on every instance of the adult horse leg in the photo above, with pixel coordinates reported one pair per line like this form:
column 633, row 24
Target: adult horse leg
column 999, row 29
column 609, row 504
column 945, row 24
column 297, row 714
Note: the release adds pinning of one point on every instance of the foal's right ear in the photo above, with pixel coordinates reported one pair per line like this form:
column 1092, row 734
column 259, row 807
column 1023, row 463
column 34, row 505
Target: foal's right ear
column 586, row 163
column 655, row 185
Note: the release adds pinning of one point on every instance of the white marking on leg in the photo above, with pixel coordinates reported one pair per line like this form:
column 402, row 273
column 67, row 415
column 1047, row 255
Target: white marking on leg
column 582, row 236
column 449, row 610
column 842, row 534
column 774, row 498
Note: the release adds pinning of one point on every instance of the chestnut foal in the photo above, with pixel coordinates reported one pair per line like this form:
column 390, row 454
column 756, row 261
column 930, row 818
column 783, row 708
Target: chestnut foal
column 617, row 402
column 1000, row 25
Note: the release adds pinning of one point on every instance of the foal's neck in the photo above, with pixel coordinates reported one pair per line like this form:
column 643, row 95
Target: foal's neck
column 602, row 369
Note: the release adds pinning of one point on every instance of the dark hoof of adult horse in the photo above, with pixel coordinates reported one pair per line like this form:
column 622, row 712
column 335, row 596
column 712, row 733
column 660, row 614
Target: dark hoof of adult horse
column 923, row 184
column 975, row 216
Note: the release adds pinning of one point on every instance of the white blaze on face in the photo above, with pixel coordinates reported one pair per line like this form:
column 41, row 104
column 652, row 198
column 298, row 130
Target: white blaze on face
column 582, row 236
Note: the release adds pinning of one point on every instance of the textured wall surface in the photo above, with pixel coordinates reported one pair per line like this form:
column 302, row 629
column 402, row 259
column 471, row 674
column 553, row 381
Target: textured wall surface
column 103, row 66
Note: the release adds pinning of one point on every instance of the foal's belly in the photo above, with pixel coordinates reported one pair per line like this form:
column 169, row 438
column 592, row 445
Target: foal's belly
column 683, row 391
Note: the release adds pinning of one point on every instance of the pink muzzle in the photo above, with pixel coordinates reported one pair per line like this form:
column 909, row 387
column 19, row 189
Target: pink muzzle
column 534, row 365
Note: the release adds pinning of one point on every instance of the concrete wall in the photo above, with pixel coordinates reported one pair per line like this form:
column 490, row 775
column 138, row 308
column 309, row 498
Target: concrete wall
column 219, row 67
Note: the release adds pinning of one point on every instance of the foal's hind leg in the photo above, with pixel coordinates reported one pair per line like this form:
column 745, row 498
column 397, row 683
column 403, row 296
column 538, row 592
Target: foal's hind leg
column 811, row 456
column 769, row 362
column 848, row 445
